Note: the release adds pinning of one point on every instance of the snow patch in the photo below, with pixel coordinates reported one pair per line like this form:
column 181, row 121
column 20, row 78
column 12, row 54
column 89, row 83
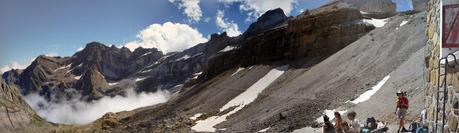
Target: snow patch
column 240, row 101
column 140, row 79
column 196, row 75
column 112, row 84
column 185, row 57
column 64, row 67
column 195, row 116
column 145, row 54
column 228, row 48
column 77, row 77
column 376, row 22
column 403, row 23
column 239, row 69
column 264, row 130
column 362, row 12
column 366, row 95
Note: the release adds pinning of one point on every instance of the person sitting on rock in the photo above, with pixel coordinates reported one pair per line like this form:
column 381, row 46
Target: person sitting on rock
column 345, row 127
column 328, row 126
column 338, row 121
column 401, row 109
column 354, row 125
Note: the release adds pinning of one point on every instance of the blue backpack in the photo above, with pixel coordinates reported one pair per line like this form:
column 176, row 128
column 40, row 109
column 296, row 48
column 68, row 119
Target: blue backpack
column 422, row 130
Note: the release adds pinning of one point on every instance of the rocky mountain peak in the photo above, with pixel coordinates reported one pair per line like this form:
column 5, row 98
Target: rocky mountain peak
column 217, row 36
column 269, row 19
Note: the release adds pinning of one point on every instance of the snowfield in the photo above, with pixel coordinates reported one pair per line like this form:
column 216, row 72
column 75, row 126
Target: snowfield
column 366, row 95
column 195, row 116
column 240, row 101
column 376, row 22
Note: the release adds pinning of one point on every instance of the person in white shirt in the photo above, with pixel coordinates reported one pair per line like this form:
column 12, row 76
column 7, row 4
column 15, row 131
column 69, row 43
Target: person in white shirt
column 354, row 125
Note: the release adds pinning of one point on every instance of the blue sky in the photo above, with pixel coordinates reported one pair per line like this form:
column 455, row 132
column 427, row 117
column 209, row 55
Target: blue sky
column 29, row 28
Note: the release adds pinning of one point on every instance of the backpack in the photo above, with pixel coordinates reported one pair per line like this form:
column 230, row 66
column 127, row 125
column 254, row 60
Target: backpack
column 371, row 123
column 422, row 130
column 414, row 127
column 365, row 130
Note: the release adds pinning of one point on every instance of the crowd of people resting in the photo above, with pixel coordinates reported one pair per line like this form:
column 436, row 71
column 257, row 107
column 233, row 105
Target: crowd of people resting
column 371, row 125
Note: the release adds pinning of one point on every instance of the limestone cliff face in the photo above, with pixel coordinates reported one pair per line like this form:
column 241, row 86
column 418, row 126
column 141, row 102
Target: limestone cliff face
column 270, row 19
column 317, row 34
column 373, row 8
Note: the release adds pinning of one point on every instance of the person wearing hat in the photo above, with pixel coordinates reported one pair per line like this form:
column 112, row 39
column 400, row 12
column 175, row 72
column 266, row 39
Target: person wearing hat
column 401, row 109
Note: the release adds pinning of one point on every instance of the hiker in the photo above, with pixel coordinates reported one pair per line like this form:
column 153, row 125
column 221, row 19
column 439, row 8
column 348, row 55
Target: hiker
column 328, row 126
column 338, row 121
column 345, row 127
column 401, row 109
column 354, row 125
column 370, row 124
column 374, row 126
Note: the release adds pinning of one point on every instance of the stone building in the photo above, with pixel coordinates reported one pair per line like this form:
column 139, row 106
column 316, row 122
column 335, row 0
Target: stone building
column 442, row 92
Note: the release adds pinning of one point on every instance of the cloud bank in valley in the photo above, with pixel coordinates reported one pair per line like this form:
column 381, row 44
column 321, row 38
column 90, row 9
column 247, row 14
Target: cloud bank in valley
column 74, row 111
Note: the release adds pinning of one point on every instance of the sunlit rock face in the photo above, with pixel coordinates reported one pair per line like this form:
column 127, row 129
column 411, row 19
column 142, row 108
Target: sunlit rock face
column 313, row 34
column 15, row 114
column 373, row 8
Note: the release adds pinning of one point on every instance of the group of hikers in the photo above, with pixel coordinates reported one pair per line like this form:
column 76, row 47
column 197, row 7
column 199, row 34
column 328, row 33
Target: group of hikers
column 371, row 125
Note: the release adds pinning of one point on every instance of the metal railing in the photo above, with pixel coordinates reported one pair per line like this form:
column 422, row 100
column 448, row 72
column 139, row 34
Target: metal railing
column 443, row 98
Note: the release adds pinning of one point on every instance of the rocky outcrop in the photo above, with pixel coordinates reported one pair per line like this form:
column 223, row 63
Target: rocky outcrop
column 317, row 34
column 373, row 8
column 15, row 114
column 92, row 84
column 178, row 68
column 270, row 19
column 99, row 70
column 419, row 5
column 88, row 71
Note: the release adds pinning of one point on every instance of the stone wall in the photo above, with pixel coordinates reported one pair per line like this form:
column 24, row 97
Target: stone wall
column 432, row 57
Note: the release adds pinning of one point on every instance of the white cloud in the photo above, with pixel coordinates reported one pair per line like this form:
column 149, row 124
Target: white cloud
column 14, row 65
column 74, row 111
column 167, row 37
column 231, row 28
column 190, row 8
column 257, row 7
